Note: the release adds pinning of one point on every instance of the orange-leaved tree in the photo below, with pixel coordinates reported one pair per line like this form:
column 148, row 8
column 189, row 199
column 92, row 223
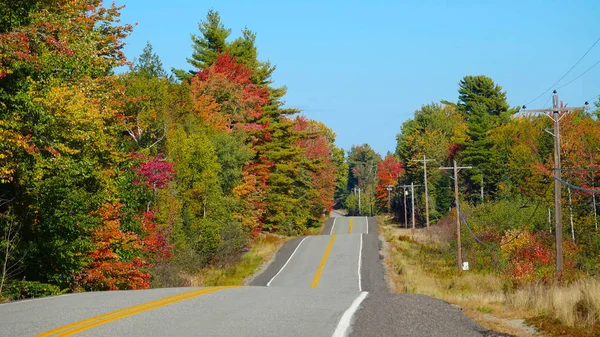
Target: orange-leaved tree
column 388, row 172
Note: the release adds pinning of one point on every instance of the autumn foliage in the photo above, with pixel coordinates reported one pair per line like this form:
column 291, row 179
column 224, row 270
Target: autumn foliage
column 109, row 270
column 388, row 172
column 125, row 180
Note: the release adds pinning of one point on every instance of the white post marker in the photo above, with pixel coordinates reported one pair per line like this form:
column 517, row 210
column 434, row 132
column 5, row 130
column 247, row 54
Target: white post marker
column 344, row 324
column 286, row 262
column 360, row 264
column 332, row 227
column 367, row 220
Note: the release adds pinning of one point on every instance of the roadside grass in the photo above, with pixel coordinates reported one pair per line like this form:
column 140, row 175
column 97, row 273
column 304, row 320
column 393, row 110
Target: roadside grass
column 419, row 263
column 263, row 249
column 562, row 310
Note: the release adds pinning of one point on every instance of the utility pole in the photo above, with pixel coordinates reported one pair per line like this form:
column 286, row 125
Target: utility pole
column 556, row 114
column 389, row 189
column 458, row 248
column 405, row 211
column 412, row 197
column 425, row 160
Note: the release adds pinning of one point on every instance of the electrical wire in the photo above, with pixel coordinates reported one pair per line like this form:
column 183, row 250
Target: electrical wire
column 522, row 227
column 548, row 100
column 579, row 170
column 473, row 235
column 593, row 99
column 565, row 75
column 576, row 78
column 575, row 187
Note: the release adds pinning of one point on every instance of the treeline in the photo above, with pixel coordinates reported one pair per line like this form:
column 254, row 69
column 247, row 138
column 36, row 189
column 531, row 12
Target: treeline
column 366, row 179
column 507, row 197
column 120, row 181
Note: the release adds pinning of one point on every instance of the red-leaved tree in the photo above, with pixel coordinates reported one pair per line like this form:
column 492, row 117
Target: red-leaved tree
column 388, row 172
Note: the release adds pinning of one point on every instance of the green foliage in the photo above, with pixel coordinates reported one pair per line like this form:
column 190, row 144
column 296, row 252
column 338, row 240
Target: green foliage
column 15, row 13
column 18, row 290
column 210, row 43
column 148, row 64
column 341, row 174
column 481, row 90
column 362, row 173
column 499, row 216
column 232, row 153
column 117, row 182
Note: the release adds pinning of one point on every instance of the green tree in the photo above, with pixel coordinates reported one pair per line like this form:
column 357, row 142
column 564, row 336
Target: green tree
column 341, row 176
column 476, row 90
column 484, row 104
column 362, row 173
column 212, row 41
column 148, row 64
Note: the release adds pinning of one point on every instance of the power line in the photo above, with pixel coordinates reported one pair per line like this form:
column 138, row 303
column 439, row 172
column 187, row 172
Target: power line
column 576, row 78
column 575, row 187
column 596, row 168
column 565, row 75
column 540, row 201
column 544, row 105
column 473, row 235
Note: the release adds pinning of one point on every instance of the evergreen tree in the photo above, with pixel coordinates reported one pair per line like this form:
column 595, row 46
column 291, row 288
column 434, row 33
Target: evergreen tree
column 148, row 64
column 474, row 90
column 484, row 104
column 212, row 41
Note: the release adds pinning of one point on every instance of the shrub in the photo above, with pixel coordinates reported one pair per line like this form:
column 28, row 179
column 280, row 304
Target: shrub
column 17, row 290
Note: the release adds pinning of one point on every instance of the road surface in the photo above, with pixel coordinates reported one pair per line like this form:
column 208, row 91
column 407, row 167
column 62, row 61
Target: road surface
column 327, row 285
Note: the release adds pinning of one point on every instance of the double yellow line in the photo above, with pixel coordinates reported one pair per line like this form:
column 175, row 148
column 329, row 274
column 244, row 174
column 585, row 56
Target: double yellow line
column 317, row 277
column 89, row 323
column 315, row 281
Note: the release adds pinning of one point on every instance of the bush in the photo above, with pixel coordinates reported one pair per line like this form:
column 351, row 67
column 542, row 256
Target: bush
column 234, row 240
column 17, row 290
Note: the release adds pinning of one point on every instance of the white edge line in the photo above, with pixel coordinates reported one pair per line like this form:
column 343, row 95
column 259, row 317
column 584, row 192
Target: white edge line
column 332, row 227
column 367, row 219
column 344, row 324
column 286, row 262
column 360, row 264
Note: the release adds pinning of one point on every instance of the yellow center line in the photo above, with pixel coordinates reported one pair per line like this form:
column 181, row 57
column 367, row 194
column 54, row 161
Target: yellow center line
column 74, row 328
column 315, row 281
column 350, row 228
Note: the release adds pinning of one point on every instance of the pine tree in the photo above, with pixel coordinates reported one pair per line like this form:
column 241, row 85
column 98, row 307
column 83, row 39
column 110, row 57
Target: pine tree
column 474, row 90
column 212, row 41
column 148, row 64
column 484, row 104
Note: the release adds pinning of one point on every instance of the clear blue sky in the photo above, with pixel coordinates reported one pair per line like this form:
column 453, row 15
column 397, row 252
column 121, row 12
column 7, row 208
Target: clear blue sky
column 364, row 67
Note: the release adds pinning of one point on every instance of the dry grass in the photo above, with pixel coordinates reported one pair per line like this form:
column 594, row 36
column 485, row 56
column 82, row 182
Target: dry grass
column 417, row 262
column 263, row 249
column 576, row 304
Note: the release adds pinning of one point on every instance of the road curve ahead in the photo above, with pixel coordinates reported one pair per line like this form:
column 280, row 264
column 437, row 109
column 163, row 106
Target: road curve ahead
column 327, row 285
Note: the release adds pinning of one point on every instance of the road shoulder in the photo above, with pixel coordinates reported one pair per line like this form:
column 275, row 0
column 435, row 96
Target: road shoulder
column 271, row 268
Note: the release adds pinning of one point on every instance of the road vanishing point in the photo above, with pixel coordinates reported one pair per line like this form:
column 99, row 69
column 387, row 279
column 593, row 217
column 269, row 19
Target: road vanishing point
column 327, row 285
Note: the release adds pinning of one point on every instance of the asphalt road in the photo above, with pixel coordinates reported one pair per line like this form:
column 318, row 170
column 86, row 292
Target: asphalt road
column 327, row 285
